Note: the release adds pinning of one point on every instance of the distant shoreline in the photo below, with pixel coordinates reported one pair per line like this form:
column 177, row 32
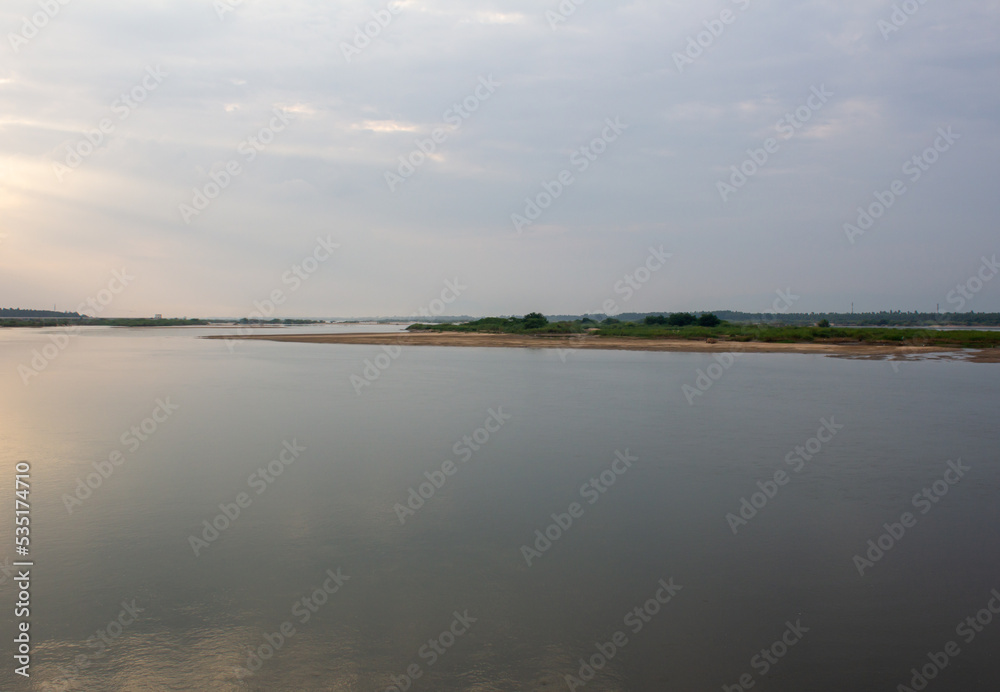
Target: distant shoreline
column 865, row 351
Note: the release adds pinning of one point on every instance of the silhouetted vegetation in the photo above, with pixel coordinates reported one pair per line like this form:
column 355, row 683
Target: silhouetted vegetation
column 535, row 320
column 885, row 318
column 532, row 323
column 276, row 320
column 708, row 326
column 143, row 322
column 785, row 334
column 104, row 322
column 13, row 313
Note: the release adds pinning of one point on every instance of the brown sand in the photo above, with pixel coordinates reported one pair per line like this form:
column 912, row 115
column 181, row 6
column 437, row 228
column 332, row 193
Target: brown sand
column 843, row 350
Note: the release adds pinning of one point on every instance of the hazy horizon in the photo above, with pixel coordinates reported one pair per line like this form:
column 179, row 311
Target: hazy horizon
column 624, row 122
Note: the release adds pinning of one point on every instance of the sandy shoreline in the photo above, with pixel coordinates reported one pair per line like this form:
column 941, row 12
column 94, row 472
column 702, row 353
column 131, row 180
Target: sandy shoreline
column 843, row 350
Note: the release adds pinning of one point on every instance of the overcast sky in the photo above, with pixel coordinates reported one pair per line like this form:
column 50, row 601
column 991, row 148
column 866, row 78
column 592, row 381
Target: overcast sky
column 340, row 98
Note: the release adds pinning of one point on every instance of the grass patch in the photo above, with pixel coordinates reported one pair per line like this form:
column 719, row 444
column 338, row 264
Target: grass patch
column 726, row 331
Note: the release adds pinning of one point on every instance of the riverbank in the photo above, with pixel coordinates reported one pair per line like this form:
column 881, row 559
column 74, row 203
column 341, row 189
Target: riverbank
column 844, row 350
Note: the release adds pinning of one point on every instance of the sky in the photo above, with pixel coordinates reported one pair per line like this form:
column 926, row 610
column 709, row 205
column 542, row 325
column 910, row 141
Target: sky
column 315, row 159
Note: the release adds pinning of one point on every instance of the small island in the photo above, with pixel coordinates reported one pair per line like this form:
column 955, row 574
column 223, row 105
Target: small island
column 685, row 332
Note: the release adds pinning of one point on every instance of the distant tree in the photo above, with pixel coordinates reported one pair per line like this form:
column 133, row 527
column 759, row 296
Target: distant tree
column 681, row 319
column 610, row 320
column 708, row 320
column 823, row 323
column 587, row 320
column 535, row 320
column 655, row 319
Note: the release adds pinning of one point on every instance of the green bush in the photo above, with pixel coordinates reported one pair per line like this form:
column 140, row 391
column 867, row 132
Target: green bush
column 681, row 319
column 535, row 320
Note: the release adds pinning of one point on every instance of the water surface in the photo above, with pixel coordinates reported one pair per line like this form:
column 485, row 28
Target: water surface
column 332, row 508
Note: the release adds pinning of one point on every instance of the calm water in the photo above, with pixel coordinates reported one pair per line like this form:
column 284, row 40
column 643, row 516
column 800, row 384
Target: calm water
column 664, row 517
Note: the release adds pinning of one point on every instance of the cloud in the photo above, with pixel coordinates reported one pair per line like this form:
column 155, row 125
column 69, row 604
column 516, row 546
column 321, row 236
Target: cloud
column 351, row 121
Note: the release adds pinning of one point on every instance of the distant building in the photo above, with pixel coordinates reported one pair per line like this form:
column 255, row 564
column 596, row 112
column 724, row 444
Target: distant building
column 158, row 316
